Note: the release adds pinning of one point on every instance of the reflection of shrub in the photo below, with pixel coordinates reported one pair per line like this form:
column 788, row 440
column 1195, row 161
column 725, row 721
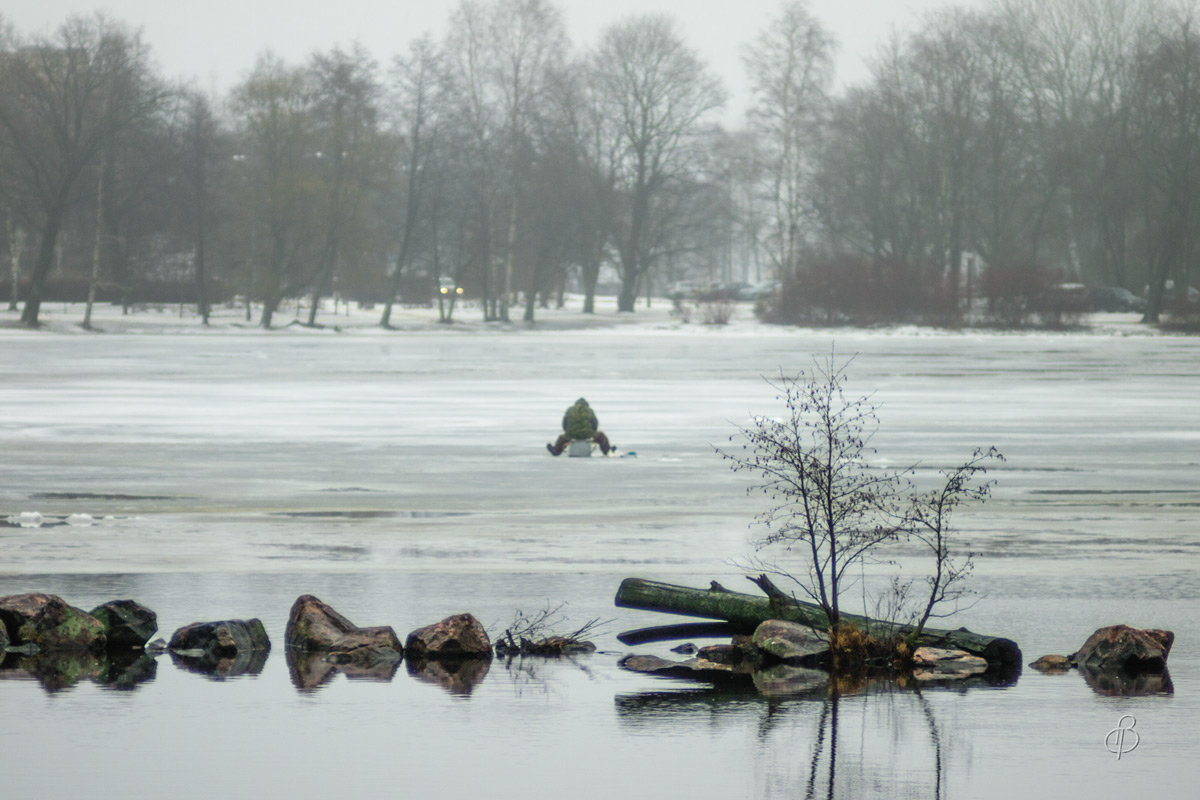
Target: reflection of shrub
column 845, row 289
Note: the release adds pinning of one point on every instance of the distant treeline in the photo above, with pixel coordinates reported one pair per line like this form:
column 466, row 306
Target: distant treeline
column 993, row 154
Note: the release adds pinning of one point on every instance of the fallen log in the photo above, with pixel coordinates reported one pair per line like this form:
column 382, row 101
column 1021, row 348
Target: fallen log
column 747, row 612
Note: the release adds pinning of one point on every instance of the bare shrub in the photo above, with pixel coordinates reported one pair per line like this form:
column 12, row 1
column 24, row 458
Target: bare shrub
column 716, row 312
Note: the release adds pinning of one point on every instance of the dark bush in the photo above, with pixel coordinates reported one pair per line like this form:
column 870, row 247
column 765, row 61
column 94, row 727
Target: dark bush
column 1032, row 295
column 843, row 289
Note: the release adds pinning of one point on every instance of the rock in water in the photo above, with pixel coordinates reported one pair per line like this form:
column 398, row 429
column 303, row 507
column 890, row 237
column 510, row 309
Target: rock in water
column 460, row 636
column 790, row 641
column 1051, row 664
column 1120, row 647
column 314, row 626
column 224, row 639
column 933, row 663
column 127, row 623
column 47, row 621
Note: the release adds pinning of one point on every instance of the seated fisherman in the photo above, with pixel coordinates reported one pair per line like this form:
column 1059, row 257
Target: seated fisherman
column 579, row 422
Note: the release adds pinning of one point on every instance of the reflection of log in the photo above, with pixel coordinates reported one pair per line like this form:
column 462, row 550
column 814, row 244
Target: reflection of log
column 747, row 611
column 666, row 633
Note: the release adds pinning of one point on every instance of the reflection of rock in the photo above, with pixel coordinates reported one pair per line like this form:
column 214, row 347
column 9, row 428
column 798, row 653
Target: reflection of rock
column 1122, row 683
column 785, row 680
column 933, row 663
column 308, row 670
column 457, row 676
column 243, row 662
column 55, row 671
column 47, row 621
column 1120, row 647
column 1052, row 664
column 126, row 670
column 126, row 623
column 4, row 641
column 790, row 641
column 224, row 640
column 460, row 636
column 312, row 670
column 693, row 668
column 315, row 627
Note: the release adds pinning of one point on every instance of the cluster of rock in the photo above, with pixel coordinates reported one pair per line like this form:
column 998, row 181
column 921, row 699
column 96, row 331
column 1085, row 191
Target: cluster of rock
column 59, row 644
column 1119, row 660
column 783, row 658
column 454, row 653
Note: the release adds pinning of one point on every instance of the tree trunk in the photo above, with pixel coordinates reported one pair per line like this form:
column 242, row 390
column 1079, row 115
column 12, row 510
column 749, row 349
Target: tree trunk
column 749, row 611
column 97, row 247
column 41, row 267
column 16, row 243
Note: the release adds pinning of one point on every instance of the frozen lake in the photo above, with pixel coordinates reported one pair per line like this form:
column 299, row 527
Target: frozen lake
column 402, row 476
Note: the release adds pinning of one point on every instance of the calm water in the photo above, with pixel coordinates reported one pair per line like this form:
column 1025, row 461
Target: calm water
column 402, row 478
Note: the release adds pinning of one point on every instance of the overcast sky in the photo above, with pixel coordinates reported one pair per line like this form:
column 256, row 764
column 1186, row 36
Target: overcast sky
column 215, row 42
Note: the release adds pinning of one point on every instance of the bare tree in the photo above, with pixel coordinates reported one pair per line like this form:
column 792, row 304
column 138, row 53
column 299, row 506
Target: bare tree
column 790, row 65
column 826, row 501
column 1165, row 115
column 345, row 95
column 929, row 522
column 274, row 107
column 57, row 115
column 417, row 106
column 657, row 95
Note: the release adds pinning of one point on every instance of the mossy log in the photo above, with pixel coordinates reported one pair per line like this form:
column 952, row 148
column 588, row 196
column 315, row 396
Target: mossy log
column 747, row 611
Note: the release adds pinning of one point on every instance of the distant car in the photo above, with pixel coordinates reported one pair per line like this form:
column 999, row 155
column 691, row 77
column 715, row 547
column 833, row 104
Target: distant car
column 758, row 290
column 721, row 292
column 1115, row 298
column 447, row 287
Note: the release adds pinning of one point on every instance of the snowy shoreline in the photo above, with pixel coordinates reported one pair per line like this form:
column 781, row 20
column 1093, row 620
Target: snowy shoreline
column 107, row 319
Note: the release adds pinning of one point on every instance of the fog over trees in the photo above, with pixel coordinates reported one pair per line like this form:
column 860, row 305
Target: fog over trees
column 992, row 157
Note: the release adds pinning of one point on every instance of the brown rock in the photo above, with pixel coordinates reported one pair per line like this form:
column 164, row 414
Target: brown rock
column 1052, row 664
column 721, row 654
column 693, row 668
column 933, row 663
column 1120, row 647
column 314, row 626
column 47, row 621
column 460, row 636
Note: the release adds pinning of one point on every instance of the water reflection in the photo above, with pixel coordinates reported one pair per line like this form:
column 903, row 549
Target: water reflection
column 58, row 672
column 219, row 668
column 310, row 671
column 855, row 734
column 457, row 676
column 1119, row 683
